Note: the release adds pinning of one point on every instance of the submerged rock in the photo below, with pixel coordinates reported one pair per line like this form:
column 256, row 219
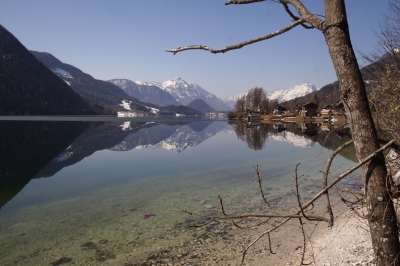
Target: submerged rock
column 60, row 261
column 89, row 245
column 103, row 241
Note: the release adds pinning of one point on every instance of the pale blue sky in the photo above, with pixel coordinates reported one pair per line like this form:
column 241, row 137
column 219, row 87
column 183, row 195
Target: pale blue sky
column 128, row 38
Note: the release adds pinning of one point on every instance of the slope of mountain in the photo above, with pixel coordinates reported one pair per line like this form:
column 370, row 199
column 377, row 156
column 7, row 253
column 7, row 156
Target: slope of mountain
column 172, row 110
column 200, row 105
column 98, row 91
column 27, row 87
column 185, row 92
column 145, row 93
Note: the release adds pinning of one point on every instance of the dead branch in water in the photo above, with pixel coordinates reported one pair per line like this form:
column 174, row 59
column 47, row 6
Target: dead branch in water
column 299, row 214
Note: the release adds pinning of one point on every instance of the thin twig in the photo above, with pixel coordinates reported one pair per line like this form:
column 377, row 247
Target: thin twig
column 325, row 179
column 319, row 218
column 261, row 190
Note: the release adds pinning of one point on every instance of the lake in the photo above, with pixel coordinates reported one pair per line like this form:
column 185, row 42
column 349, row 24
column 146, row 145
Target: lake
column 100, row 190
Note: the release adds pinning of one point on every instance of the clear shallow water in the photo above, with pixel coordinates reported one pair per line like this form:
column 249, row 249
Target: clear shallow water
column 98, row 183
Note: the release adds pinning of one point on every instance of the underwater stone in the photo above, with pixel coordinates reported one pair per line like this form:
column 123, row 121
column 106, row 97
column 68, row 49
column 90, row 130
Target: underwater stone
column 103, row 241
column 89, row 245
column 60, row 261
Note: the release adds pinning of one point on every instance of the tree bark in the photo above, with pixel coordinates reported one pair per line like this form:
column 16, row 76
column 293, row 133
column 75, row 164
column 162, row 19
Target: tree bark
column 381, row 214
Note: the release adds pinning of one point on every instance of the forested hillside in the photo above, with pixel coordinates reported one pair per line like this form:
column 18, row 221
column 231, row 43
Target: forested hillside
column 27, row 87
column 98, row 91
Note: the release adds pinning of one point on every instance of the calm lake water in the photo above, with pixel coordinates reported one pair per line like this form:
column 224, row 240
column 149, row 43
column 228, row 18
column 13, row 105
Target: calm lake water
column 100, row 190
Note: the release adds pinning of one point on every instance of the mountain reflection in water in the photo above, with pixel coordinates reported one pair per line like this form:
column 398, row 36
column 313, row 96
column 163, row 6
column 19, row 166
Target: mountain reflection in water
column 34, row 149
column 64, row 184
column 26, row 147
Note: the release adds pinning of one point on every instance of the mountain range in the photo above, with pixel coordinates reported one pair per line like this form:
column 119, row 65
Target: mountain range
column 145, row 93
column 178, row 91
column 182, row 91
column 110, row 95
column 38, row 76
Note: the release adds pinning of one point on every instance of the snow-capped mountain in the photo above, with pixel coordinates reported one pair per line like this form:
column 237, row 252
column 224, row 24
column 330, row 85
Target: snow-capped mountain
column 292, row 93
column 186, row 92
column 281, row 96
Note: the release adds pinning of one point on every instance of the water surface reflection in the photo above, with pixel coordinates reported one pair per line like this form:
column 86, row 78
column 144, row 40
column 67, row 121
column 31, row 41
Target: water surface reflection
column 102, row 191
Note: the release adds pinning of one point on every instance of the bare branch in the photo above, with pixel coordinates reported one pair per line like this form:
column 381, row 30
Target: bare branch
column 293, row 16
column 305, row 14
column 261, row 190
column 299, row 214
column 239, row 45
column 318, row 218
column 322, row 192
column 250, row 226
column 303, row 252
column 325, row 180
column 241, row 2
column 349, row 171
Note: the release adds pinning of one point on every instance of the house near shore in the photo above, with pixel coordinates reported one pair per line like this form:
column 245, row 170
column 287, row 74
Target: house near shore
column 327, row 107
column 326, row 111
column 339, row 107
column 279, row 110
column 309, row 109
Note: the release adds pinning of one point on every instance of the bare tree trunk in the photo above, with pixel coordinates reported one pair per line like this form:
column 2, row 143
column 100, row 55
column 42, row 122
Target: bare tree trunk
column 381, row 214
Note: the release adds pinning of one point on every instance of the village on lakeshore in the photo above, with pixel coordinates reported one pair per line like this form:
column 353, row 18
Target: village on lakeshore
column 309, row 112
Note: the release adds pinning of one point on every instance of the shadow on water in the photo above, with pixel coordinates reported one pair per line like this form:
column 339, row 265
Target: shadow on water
column 27, row 147
column 329, row 136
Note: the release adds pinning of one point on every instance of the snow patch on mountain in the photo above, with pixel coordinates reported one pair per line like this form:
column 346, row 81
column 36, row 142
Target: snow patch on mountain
column 153, row 110
column 62, row 73
column 126, row 104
